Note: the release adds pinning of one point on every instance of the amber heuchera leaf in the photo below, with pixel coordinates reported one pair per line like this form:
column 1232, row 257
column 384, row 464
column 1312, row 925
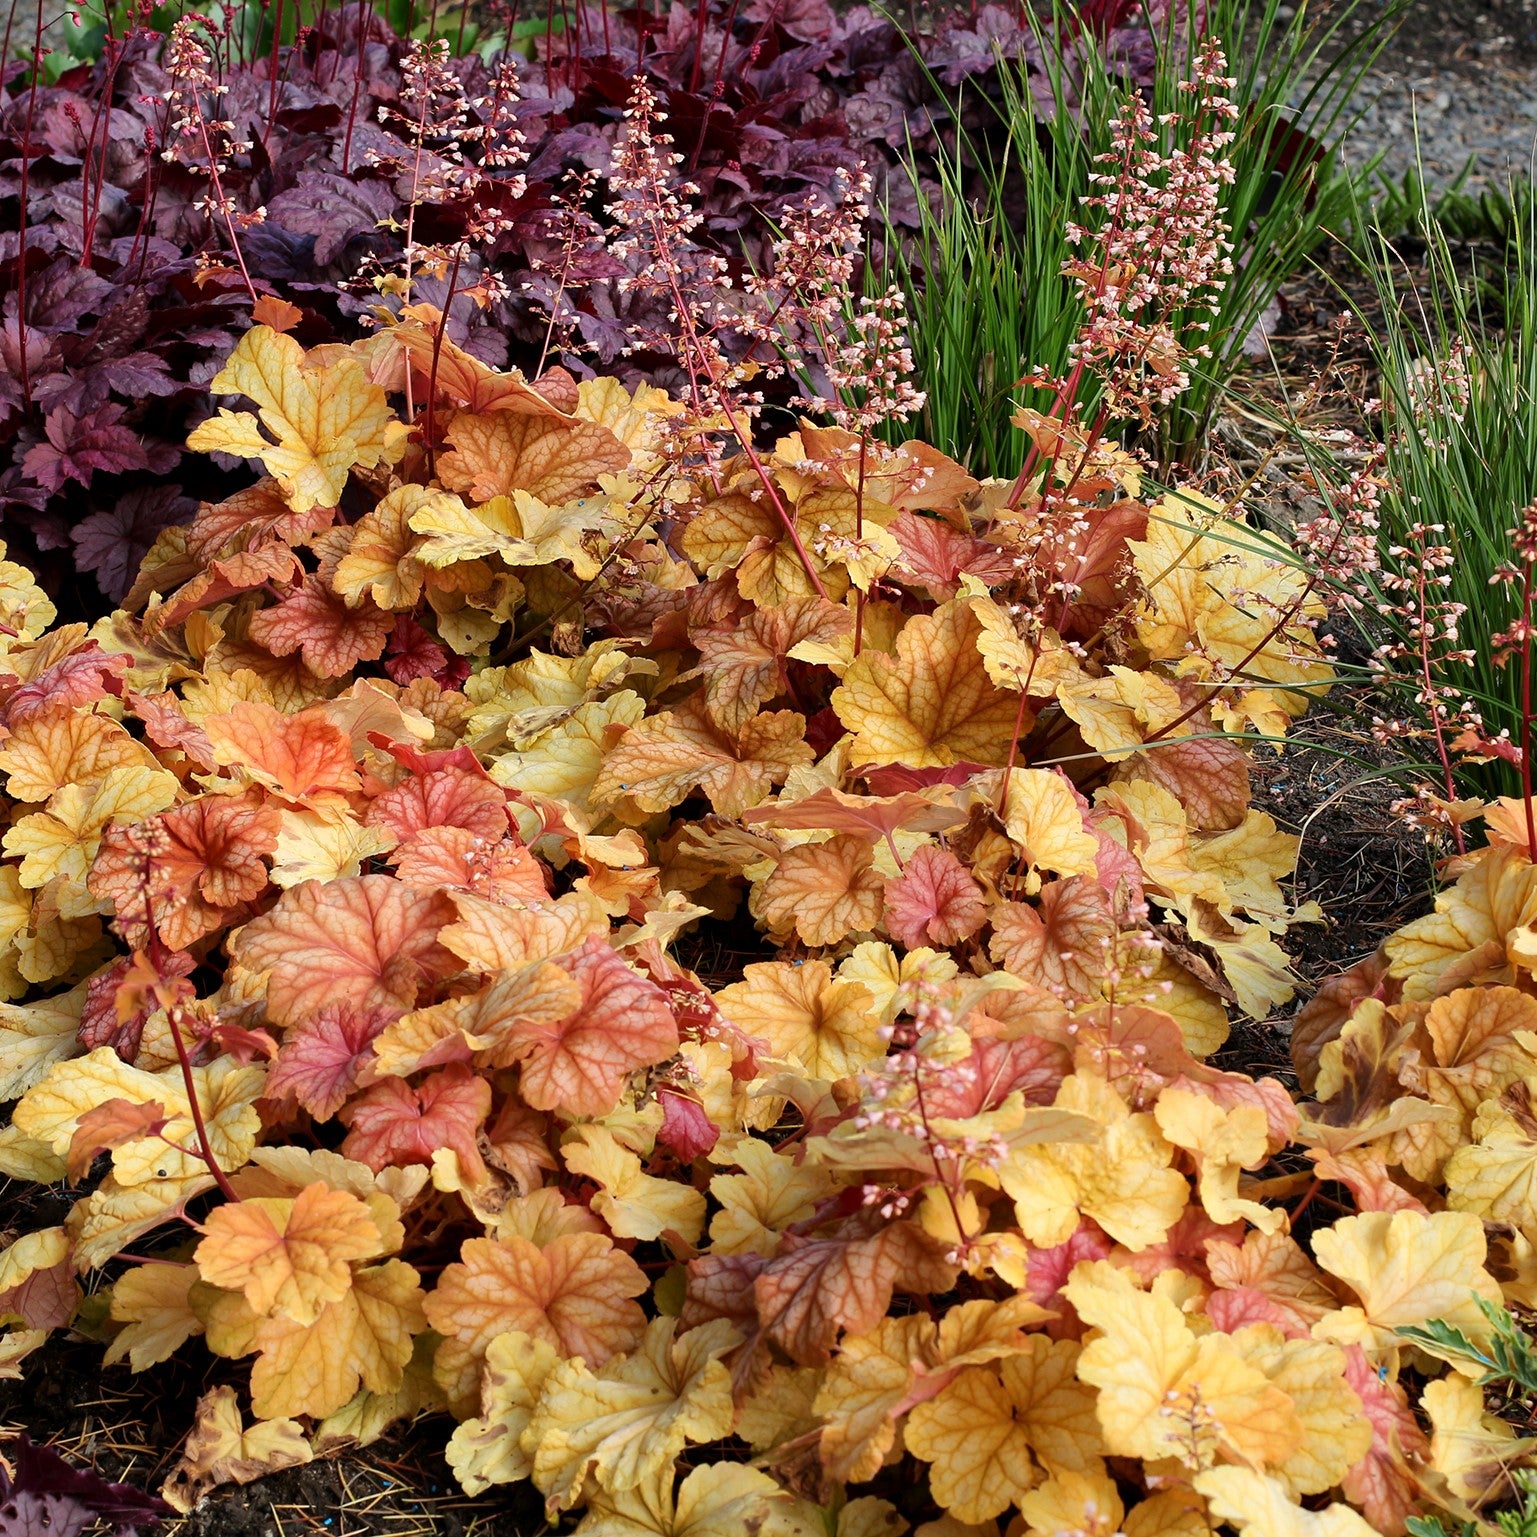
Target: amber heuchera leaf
column 627, row 1423
column 367, row 941
column 658, row 762
column 574, row 1291
column 824, row 891
column 395, row 1123
column 579, row 1064
column 818, row 1287
column 502, row 452
column 303, row 758
column 932, row 703
column 330, row 636
column 211, row 861
column 288, row 1257
column 326, row 417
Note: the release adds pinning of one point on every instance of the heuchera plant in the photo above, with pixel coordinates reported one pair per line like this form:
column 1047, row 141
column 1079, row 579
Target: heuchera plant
column 149, row 198
column 360, row 868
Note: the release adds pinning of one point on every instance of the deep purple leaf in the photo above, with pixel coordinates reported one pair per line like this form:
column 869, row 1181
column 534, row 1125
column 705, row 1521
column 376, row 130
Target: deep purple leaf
column 50, row 1498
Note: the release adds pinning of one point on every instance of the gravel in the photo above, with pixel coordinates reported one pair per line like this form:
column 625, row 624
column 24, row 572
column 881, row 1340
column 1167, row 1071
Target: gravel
column 1461, row 76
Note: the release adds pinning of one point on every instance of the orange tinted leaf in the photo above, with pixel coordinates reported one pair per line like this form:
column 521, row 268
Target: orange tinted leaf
column 302, row 758
column 823, row 891
column 744, row 663
column 110, row 1125
column 501, row 452
column 459, row 376
column 874, row 816
column 818, row 1287
column 442, row 798
column 225, row 577
column 1208, row 774
column 932, row 703
column 331, row 637
column 277, row 314
column 289, row 1257
column 210, row 862
column 1061, row 944
column 574, row 1291
column 394, row 1123
column 366, row 940
column 579, row 1064
column 61, row 745
column 455, row 856
column 658, row 762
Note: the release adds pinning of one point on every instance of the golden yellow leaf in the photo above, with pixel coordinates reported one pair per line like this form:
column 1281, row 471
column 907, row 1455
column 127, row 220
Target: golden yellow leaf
column 718, row 1499
column 1336, row 1431
column 1260, row 1507
column 220, row 1450
column 151, row 1301
column 60, row 746
column 978, row 1451
column 381, row 561
column 1190, row 564
column 1406, row 1267
column 113, row 1215
column 50, row 1112
column 326, row 417
column 1035, row 665
column 363, row 1338
column 1496, row 1176
column 1123, row 1179
column 1223, row 1144
column 62, row 839
column 637, row 419
column 826, row 1028
column 1119, row 712
column 1163, row 1391
column 932, row 703
column 772, row 1192
column 633, row 1203
column 1067, row 1503
column 1471, row 1448
column 565, row 761
column 1475, row 918
column 1056, row 1409
column 629, row 1421
column 1044, row 820
column 488, row 1449
column 861, row 1390
column 323, row 845
column 26, row 611
column 34, row 1036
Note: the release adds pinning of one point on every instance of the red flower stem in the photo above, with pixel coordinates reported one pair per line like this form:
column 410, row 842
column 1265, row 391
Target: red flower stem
column 1526, row 711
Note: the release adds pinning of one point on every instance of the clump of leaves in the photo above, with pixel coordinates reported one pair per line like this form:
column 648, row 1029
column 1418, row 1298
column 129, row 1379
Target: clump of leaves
column 159, row 190
column 408, row 781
